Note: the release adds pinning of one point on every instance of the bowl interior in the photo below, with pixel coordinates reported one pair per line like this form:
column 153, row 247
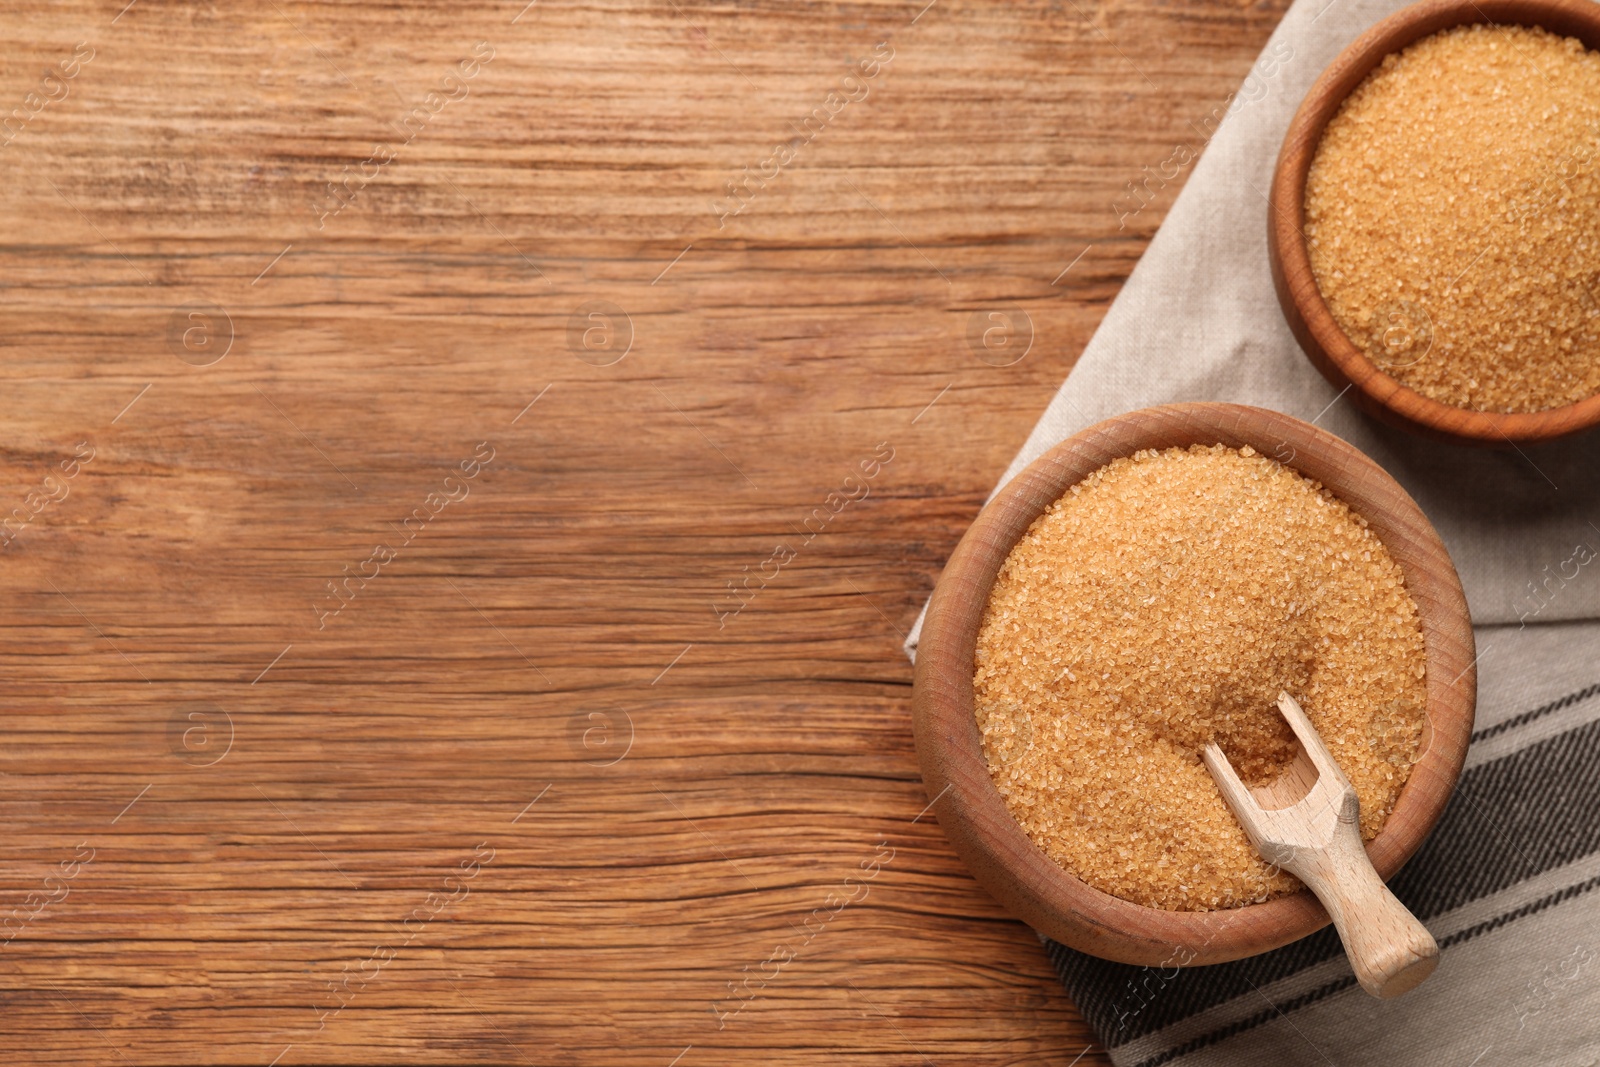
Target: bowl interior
column 1328, row 347
column 949, row 747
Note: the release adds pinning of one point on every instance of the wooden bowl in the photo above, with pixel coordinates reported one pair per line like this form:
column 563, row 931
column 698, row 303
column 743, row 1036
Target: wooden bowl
column 956, row 773
column 1333, row 353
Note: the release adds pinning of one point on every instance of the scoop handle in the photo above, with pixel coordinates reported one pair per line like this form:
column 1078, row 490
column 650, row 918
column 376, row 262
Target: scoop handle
column 1389, row 949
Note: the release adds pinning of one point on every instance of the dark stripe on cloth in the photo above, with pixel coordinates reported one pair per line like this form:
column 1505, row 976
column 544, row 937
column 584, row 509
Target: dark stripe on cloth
column 1322, row 992
column 1528, row 812
column 1537, row 713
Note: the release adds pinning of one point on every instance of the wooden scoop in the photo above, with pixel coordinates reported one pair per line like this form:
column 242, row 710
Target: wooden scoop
column 1308, row 822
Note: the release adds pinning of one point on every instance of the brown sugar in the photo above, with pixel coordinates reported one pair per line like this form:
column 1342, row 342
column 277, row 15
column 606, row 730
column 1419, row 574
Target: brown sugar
column 1450, row 216
column 1164, row 601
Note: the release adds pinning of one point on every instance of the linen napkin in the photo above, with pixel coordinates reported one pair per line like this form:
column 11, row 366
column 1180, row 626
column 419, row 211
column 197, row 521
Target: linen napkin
column 1507, row 881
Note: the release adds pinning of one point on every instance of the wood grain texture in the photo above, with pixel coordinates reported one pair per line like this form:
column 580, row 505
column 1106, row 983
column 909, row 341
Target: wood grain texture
column 242, row 829
column 1324, row 341
column 950, row 749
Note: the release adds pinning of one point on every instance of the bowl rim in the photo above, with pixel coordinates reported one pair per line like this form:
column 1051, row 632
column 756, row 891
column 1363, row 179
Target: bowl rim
column 955, row 771
column 1313, row 324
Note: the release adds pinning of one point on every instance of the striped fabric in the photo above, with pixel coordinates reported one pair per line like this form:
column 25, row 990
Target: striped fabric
column 1507, row 884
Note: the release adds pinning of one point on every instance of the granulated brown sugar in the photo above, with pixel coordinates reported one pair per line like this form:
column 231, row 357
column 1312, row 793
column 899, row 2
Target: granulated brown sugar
column 1164, row 601
column 1450, row 218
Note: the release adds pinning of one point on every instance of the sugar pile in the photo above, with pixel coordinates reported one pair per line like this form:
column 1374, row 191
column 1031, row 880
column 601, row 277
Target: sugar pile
column 1165, row 601
column 1450, row 217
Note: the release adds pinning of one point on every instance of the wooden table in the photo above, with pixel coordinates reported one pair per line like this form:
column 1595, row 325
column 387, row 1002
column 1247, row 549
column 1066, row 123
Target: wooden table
column 398, row 407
